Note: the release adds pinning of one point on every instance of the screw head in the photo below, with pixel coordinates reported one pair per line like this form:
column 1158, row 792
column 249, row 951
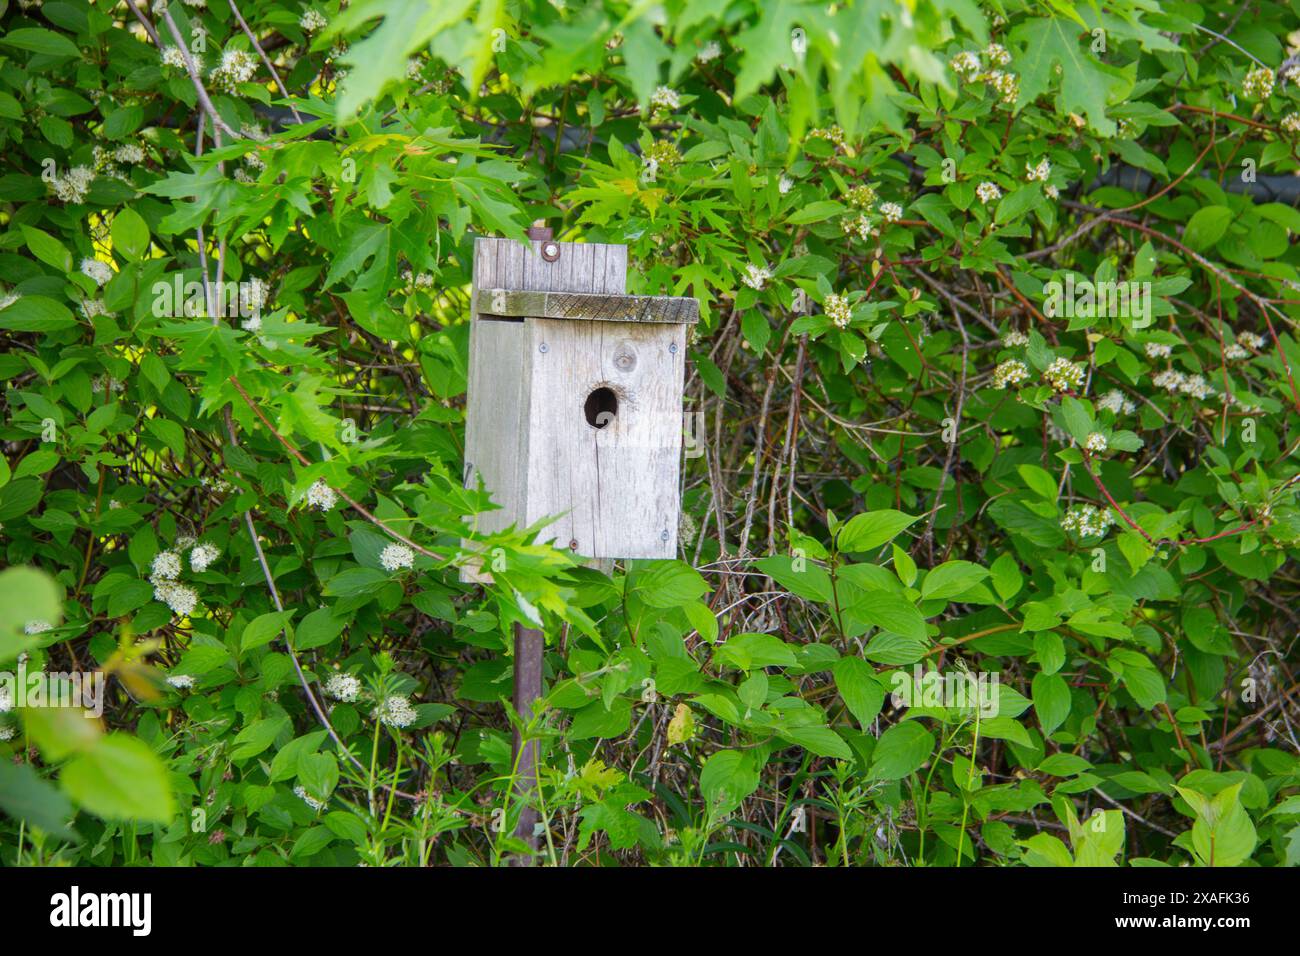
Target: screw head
column 573, row 544
column 663, row 536
column 672, row 347
column 543, row 348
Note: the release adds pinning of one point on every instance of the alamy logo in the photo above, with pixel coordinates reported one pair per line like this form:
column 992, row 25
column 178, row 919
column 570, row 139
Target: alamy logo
column 58, row 689
column 962, row 690
column 134, row 910
column 190, row 299
column 1087, row 300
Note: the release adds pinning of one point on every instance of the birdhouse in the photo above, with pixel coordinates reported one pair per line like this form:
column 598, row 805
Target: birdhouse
column 574, row 404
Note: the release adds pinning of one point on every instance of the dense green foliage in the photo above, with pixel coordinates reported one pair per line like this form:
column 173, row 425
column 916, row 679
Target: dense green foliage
column 917, row 452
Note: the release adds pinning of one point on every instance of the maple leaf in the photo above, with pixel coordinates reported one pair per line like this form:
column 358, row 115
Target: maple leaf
column 1087, row 85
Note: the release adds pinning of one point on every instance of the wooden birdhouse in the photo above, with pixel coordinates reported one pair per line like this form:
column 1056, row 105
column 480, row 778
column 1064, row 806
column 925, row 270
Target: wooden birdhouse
column 574, row 405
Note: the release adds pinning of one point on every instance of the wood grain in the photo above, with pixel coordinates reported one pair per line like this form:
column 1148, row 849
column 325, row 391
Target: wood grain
column 668, row 309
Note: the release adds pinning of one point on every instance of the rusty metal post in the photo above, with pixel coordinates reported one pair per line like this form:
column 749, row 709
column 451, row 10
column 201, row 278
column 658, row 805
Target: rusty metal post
column 530, row 644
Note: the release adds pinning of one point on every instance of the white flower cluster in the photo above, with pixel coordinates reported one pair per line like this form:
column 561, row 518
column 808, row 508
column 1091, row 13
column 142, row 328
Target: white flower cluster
column 343, row 687
column 1258, row 84
column 164, row 571
column 1088, row 521
column 8, row 298
column 1174, row 381
column 784, row 184
column 1171, row 380
column 395, row 557
column 7, row 732
column 321, row 496
column 422, row 281
column 173, row 56
column 301, row 793
column 833, row 134
column 129, row 153
column 37, row 627
column 862, row 196
column 1039, row 172
column 166, row 566
column 1096, row 443
column 395, row 711
column 181, row 681
column 73, row 185
column 966, row 65
column 997, row 54
column 837, row 309
column 94, row 308
column 1291, row 123
column 1007, row 85
column 988, row 192
column 100, row 271
column 1235, row 353
column 236, row 66
column 1158, row 350
column 312, row 20
column 891, row 211
column 756, row 276
column 216, row 485
column 1014, row 339
column 1197, row 387
column 202, row 556
column 1116, row 402
column 181, row 599
column 1251, row 340
column 1009, row 373
column 859, row 225
column 710, row 51
column 665, row 99
column 1064, row 375
column 100, row 383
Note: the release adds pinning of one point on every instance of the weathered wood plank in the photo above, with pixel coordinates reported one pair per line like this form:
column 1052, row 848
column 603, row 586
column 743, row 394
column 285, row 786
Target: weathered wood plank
column 614, row 488
column 667, row 309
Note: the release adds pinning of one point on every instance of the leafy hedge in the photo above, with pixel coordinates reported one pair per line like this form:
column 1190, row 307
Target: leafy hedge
column 996, row 376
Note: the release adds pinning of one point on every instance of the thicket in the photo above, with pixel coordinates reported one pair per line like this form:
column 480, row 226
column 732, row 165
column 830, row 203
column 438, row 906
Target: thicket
column 966, row 402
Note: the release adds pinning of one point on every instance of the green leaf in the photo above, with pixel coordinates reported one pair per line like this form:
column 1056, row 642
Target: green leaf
column 317, row 629
column 48, row 249
column 726, row 779
column 25, row 796
column 130, row 234
column 39, row 40
column 120, row 778
column 891, row 612
column 1087, row 86
column 821, row 741
column 1007, row 580
column 669, row 584
column 257, row 736
column 1051, row 697
column 1039, row 481
column 749, row 651
column 865, row 532
column 862, row 693
column 262, row 630
column 901, row 749
column 35, row 313
column 1207, row 226
column 951, row 579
